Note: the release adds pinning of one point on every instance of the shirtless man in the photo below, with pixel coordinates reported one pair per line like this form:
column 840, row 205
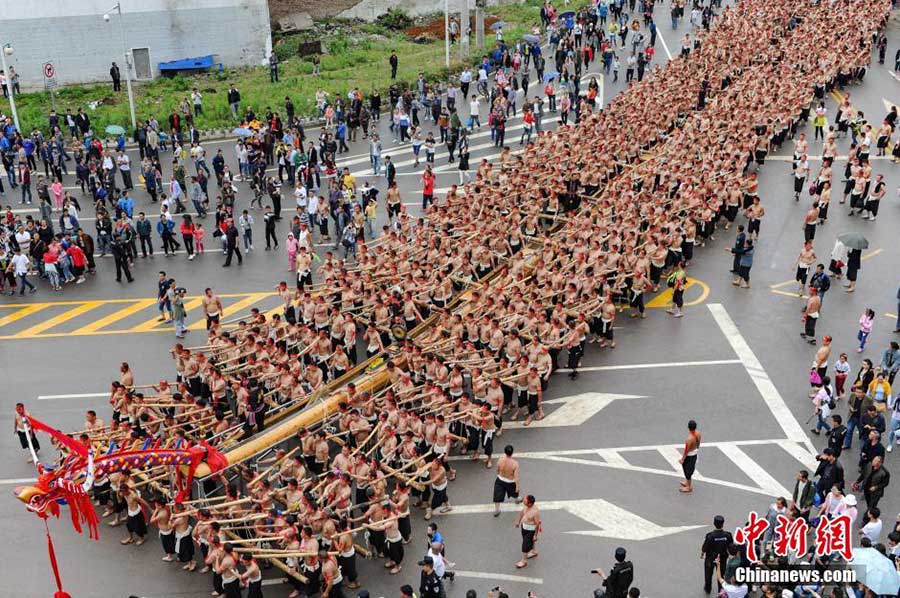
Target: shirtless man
column 126, row 377
column 529, row 521
column 438, row 480
column 227, row 568
column 135, row 524
column 304, row 265
column 507, row 482
column 161, row 518
column 24, row 431
column 607, row 317
column 805, row 261
column 811, row 316
column 689, row 456
column 184, row 543
column 212, row 308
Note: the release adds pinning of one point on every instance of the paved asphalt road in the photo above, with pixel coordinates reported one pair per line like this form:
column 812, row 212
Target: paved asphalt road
column 602, row 467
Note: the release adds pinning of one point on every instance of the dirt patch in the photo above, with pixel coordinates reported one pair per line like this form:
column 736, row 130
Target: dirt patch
column 317, row 9
column 434, row 29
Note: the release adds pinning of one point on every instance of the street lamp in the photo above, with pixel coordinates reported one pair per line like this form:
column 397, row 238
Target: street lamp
column 106, row 17
column 8, row 51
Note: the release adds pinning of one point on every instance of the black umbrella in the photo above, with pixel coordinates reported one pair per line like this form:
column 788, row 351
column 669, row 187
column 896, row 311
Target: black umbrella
column 854, row 241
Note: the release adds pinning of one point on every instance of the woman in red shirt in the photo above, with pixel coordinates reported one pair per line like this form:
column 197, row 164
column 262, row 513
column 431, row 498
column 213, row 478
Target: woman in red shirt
column 79, row 261
column 187, row 234
column 50, row 269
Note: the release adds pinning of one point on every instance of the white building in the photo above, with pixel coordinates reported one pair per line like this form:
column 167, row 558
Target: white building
column 81, row 44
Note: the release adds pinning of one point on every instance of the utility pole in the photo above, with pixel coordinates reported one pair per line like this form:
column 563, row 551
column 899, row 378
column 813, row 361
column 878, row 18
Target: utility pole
column 447, row 33
column 479, row 23
column 464, row 30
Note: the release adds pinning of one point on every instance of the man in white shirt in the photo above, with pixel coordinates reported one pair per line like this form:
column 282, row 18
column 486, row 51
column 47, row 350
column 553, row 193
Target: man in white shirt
column 197, row 100
column 300, row 195
column 124, row 164
column 440, row 563
column 474, row 119
column 20, row 264
column 312, row 209
column 872, row 528
column 23, row 239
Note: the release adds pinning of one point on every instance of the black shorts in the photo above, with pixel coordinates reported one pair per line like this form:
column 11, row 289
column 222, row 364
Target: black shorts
column 606, row 329
column 690, row 463
column 438, row 497
column 185, row 549
column 801, row 275
column 678, row 298
column 210, row 320
column 137, row 525
column 528, row 540
column 23, row 440
column 502, row 490
column 532, row 403
column 168, row 542
column 522, row 398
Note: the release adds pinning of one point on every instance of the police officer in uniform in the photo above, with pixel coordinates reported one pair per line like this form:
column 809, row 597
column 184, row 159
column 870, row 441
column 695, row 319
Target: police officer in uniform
column 619, row 579
column 120, row 254
column 430, row 585
column 715, row 546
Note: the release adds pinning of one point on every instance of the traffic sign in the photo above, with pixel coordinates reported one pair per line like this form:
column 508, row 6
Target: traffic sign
column 49, row 70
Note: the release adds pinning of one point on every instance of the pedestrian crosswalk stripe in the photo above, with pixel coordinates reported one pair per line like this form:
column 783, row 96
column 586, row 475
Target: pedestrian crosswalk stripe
column 22, row 313
column 57, row 320
column 121, row 314
column 236, row 308
column 154, row 323
column 93, row 316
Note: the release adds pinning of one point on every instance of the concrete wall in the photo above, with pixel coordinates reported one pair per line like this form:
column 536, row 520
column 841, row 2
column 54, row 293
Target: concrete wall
column 368, row 10
column 73, row 35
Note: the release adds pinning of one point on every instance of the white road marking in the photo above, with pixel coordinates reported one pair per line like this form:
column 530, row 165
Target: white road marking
column 663, row 40
column 17, row 481
column 500, row 576
column 613, row 521
column 799, row 452
column 89, row 395
column 616, row 458
column 773, row 399
column 816, row 158
column 888, row 105
column 575, row 411
column 650, row 366
column 754, row 470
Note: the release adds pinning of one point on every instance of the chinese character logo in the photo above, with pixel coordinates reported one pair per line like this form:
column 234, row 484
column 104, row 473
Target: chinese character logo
column 791, row 536
column 833, row 535
column 750, row 533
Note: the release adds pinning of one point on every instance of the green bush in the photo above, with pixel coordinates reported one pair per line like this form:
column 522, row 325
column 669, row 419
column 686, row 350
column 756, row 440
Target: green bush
column 395, row 19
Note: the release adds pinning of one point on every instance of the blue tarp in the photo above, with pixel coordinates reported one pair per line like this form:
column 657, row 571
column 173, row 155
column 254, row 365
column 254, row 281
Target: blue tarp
column 185, row 64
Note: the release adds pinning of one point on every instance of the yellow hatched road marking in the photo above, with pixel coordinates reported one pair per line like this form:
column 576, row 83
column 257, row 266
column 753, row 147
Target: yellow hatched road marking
column 57, row 320
column 665, row 297
column 234, row 308
column 152, row 323
column 136, row 306
column 23, row 313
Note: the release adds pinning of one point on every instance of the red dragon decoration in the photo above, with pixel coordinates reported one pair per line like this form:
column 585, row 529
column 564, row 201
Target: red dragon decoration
column 70, row 482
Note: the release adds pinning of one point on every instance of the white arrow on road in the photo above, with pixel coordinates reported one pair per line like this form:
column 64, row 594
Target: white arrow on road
column 888, row 105
column 610, row 520
column 575, row 410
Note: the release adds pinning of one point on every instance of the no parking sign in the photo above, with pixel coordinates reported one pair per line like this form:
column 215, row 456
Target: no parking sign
column 49, row 70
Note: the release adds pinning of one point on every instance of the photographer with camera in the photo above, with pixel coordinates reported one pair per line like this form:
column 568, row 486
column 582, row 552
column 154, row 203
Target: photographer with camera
column 618, row 582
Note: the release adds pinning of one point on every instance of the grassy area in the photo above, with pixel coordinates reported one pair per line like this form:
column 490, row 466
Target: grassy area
column 359, row 60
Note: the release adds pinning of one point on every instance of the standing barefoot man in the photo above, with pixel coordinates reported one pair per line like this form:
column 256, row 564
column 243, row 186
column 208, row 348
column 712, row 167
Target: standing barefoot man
column 530, row 522
column 689, row 456
column 506, row 484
